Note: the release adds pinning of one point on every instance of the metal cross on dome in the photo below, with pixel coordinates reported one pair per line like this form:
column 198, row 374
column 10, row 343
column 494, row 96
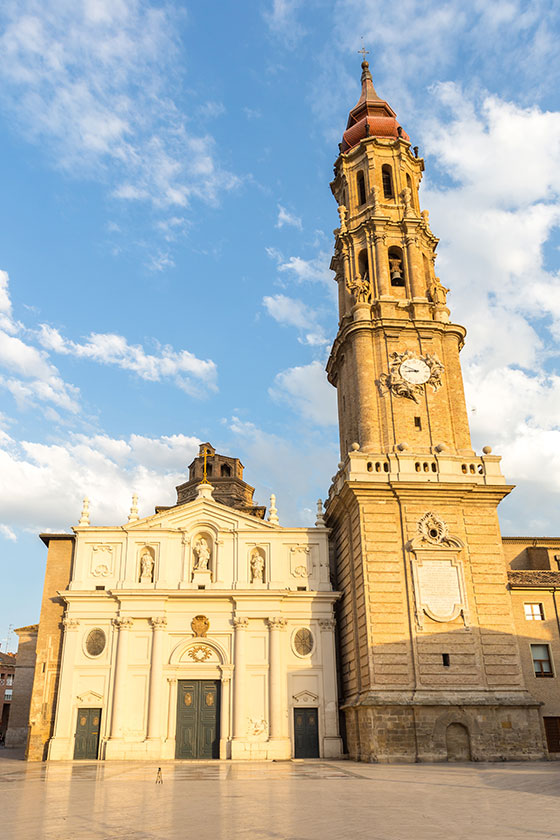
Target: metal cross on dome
column 363, row 52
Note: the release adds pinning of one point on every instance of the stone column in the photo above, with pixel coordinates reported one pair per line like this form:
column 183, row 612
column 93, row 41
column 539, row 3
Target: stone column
column 226, row 671
column 332, row 743
column 277, row 687
column 414, row 272
column 372, row 263
column 382, row 265
column 239, row 722
column 60, row 745
column 119, row 706
column 171, row 704
column 365, row 394
column 154, row 708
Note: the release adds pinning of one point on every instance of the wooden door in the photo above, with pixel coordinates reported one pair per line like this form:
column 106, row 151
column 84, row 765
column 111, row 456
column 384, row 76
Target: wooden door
column 87, row 734
column 198, row 716
column 306, row 733
column 552, row 729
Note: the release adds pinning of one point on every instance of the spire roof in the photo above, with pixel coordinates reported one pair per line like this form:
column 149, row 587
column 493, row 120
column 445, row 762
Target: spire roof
column 371, row 116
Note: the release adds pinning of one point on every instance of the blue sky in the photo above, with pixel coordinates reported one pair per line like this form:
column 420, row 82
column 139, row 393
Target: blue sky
column 167, row 228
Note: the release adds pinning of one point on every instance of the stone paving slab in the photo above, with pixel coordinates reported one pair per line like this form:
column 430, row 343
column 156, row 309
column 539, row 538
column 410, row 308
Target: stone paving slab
column 291, row 800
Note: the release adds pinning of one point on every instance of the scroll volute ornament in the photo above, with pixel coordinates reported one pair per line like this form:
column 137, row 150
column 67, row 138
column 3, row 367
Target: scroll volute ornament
column 200, row 625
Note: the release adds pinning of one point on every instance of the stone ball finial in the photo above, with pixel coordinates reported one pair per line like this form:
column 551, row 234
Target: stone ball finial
column 402, row 446
column 273, row 511
column 487, row 450
column 340, row 464
column 355, row 447
column 84, row 518
column 440, row 447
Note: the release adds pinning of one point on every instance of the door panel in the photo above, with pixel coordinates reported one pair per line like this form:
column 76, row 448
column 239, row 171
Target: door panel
column 198, row 703
column 306, row 733
column 86, row 744
column 552, row 729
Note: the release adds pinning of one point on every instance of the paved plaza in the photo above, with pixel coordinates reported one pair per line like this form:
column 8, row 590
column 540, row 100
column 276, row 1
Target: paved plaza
column 289, row 800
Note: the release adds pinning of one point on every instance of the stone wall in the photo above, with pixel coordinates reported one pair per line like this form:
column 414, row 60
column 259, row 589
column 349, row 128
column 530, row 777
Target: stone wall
column 49, row 639
column 18, row 725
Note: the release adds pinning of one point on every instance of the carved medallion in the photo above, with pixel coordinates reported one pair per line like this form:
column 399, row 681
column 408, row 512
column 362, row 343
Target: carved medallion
column 95, row 642
column 209, row 699
column 199, row 653
column 409, row 373
column 188, row 698
column 200, row 625
column 303, row 641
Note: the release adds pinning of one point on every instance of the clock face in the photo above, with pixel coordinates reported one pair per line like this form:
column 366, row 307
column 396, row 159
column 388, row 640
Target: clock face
column 415, row 371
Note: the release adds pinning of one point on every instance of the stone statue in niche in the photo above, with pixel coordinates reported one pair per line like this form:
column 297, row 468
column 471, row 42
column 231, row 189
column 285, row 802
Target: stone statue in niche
column 146, row 566
column 257, row 567
column 202, row 554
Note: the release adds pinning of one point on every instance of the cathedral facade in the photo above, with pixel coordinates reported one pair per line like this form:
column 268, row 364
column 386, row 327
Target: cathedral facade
column 401, row 621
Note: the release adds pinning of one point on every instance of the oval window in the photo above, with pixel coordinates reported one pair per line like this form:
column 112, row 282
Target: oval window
column 303, row 641
column 95, row 642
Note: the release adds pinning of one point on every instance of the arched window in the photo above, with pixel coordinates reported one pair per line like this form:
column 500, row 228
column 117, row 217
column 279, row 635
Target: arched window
column 387, row 177
column 225, row 471
column 409, row 185
column 361, row 184
column 363, row 265
column 396, row 270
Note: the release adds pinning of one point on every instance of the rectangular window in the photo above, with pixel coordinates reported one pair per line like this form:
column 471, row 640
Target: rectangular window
column 541, row 660
column 8, row 694
column 534, row 612
column 445, row 660
column 10, row 679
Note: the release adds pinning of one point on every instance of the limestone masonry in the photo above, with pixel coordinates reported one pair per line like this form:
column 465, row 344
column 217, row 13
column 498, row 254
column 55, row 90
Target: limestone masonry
column 208, row 630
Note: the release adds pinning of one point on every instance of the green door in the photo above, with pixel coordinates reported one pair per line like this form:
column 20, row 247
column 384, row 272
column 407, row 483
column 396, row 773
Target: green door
column 198, row 715
column 87, row 733
column 306, row 733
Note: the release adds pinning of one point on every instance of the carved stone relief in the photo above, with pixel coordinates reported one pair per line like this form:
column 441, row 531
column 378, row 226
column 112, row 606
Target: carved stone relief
column 300, row 561
column 437, row 571
column 102, row 560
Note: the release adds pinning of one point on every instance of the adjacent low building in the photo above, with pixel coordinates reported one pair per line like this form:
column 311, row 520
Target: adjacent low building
column 534, row 581
column 7, row 672
column 16, row 736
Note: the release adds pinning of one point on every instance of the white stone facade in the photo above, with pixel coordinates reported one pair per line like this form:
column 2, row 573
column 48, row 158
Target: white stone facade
column 251, row 588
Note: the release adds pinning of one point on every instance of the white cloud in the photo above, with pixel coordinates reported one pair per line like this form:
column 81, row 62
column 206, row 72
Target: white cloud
column 110, row 349
column 494, row 223
column 92, row 83
column 294, row 313
column 314, row 270
column 281, row 18
column 8, row 533
column 30, row 376
column 296, row 470
column 287, row 218
column 306, row 390
column 42, row 485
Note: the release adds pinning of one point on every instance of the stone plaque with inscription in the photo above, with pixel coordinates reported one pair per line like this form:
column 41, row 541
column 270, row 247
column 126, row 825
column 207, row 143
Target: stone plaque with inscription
column 439, row 588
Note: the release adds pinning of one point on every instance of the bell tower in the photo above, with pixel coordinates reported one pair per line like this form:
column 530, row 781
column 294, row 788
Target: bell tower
column 429, row 660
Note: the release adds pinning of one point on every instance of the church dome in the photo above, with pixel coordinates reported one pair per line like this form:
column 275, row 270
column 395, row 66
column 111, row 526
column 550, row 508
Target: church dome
column 371, row 116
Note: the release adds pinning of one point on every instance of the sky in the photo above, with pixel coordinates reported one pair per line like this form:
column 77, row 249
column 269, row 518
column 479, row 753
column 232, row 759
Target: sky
column 166, row 233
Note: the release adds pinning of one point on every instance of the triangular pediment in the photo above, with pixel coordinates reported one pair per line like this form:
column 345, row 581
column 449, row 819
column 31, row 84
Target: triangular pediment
column 90, row 697
column 201, row 510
